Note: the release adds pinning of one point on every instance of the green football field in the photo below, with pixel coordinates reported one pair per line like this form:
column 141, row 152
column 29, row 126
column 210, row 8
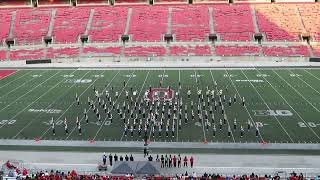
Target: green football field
column 283, row 104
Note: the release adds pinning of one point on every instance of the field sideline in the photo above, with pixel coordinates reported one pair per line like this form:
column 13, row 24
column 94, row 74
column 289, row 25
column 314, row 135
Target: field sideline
column 284, row 104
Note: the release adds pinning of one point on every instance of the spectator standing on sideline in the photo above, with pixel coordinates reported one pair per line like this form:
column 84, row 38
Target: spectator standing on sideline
column 191, row 162
column 115, row 158
column 162, row 161
column 179, row 161
column 110, row 159
column 185, row 161
column 174, row 161
column 127, row 158
column 131, row 157
column 104, row 158
column 121, row 158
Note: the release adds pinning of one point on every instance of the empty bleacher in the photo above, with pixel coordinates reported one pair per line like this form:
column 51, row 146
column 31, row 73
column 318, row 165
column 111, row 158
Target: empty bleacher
column 198, row 50
column 233, row 23
column 316, row 50
column 108, row 24
column 190, row 26
column 3, row 54
column 69, row 23
column 279, row 22
column 31, row 25
column 63, row 52
column 144, row 51
column 101, row 51
column 236, row 50
column 297, row 50
column 25, row 54
column 310, row 15
column 5, row 21
column 148, row 23
column 190, row 23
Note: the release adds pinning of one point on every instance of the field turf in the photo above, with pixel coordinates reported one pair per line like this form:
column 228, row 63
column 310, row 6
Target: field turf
column 283, row 103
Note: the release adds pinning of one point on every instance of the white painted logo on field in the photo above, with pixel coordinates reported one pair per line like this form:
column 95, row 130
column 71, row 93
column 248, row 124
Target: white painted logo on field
column 5, row 121
column 48, row 111
column 295, row 75
column 98, row 75
column 35, row 75
column 250, row 80
column 67, row 75
column 78, row 81
column 163, row 75
column 272, row 113
column 263, row 75
column 198, row 75
column 130, row 75
column 229, row 75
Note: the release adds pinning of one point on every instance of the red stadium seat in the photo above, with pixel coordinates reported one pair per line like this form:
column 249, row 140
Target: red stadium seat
column 144, row 51
column 232, row 50
column 31, row 25
column 190, row 23
column 299, row 50
column 69, row 24
column 108, row 24
column 148, row 23
column 233, row 23
column 198, row 50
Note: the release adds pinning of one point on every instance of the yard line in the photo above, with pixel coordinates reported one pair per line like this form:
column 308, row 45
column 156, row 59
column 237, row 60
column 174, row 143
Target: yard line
column 199, row 103
column 30, row 122
column 289, row 104
column 225, row 112
column 34, row 100
column 306, row 83
column 144, row 82
column 297, row 91
column 268, row 107
column 4, row 95
column 71, row 105
column 94, row 103
column 312, row 74
column 177, row 123
column 105, row 119
column 15, row 79
column 252, row 121
column 28, row 91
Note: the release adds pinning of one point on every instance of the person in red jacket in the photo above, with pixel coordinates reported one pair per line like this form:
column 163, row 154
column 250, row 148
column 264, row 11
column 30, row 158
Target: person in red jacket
column 174, row 161
column 191, row 162
column 185, row 162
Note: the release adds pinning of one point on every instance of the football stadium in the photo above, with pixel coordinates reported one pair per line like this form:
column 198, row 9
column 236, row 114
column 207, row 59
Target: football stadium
column 160, row 89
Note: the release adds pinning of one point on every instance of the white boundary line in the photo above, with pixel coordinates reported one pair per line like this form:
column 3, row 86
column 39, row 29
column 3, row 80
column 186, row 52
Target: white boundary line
column 94, row 103
column 225, row 111
column 15, row 79
column 289, row 105
column 139, row 95
column 253, row 122
column 199, row 103
column 268, row 107
column 296, row 91
column 29, row 91
column 105, row 119
column 30, row 122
